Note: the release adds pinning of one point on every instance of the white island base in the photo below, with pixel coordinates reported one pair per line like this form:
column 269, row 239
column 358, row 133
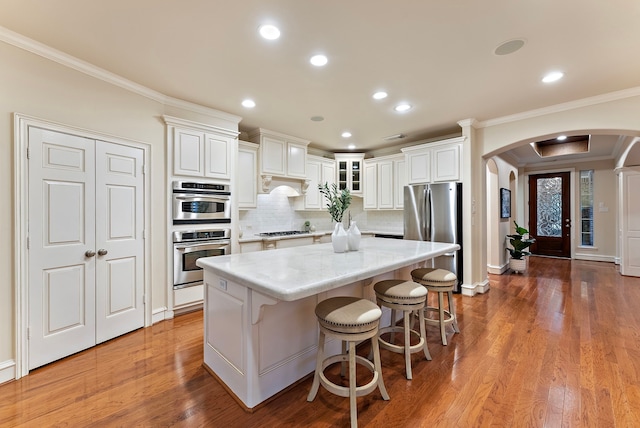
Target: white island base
column 260, row 329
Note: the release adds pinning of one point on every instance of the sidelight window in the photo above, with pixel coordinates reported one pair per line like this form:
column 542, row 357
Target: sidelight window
column 586, row 207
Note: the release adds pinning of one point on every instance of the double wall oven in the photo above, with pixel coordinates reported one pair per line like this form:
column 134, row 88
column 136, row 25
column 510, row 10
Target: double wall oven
column 207, row 207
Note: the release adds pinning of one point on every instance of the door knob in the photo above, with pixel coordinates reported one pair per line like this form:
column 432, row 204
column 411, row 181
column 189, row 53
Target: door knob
column 89, row 253
column 102, row 252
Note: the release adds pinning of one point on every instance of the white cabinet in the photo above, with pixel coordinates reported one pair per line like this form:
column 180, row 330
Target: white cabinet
column 399, row 181
column 434, row 162
column 446, row 163
column 201, row 154
column 250, row 246
column 281, row 155
column 247, row 179
column 384, row 181
column 370, row 192
column 319, row 171
column 385, row 185
column 350, row 172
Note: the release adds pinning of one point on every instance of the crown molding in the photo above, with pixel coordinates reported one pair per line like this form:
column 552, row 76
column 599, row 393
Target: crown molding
column 47, row 52
column 571, row 105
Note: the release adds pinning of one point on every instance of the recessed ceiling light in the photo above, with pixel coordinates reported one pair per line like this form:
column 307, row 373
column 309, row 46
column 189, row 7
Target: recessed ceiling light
column 319, row 60
column 248, row 103
column 351, row 146
column 317, row 118
column 509, row 47
column 380, row 95
column 561, row 137
column 346, row 134
column 553, row 76
column 269, row 32
column 402, row 107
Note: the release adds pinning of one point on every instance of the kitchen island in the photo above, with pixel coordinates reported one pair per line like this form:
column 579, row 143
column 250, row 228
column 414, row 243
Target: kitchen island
column 260, row 329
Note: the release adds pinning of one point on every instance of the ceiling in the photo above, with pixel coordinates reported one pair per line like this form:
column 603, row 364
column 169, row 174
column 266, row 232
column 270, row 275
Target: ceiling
column 436, row 55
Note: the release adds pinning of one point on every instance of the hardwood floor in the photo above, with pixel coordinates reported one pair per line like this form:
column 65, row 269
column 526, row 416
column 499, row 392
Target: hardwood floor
column 557, row 346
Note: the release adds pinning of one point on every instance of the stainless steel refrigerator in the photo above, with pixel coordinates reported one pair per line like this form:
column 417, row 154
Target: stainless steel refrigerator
column 433, row 212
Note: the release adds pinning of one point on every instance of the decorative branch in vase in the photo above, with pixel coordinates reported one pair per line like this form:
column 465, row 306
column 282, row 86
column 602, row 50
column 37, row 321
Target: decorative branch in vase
column 337, row 203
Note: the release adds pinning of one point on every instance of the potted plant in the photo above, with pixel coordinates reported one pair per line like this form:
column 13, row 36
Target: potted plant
column 337, row 203
column 519, row 243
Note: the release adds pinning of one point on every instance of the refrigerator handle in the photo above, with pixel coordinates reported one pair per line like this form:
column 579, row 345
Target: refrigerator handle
column 428, row 215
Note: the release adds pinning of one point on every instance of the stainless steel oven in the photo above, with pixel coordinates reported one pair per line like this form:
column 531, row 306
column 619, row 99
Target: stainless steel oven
column 196, row 203
column 189, row 246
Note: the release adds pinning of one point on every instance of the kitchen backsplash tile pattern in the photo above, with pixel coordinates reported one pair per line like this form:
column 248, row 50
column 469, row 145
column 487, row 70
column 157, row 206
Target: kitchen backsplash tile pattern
column 276, row 212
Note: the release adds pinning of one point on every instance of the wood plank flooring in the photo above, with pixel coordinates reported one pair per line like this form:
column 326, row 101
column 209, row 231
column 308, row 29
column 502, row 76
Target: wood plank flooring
column 558, row 346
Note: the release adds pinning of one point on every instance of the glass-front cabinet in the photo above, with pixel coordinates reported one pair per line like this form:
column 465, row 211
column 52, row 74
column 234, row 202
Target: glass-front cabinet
column 350, row 171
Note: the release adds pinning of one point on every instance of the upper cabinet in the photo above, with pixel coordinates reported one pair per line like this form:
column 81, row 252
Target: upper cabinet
column 434, row 162
column 384, row 181
column 247, row 187
column 199, row 150
column 349, row 167
column 281, row 155
column 319, row 171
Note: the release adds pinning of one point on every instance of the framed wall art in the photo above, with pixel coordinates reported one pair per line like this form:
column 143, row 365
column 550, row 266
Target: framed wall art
column 505, row 203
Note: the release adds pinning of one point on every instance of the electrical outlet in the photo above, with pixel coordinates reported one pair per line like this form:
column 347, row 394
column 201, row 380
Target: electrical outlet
column 223, row 284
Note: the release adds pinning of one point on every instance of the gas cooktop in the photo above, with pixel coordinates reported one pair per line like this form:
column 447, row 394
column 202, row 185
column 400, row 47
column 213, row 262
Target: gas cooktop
column 284, row 233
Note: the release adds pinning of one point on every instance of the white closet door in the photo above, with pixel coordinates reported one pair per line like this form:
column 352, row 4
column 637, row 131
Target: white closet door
column 61, row 231
column 630, row 222
column 119, row 240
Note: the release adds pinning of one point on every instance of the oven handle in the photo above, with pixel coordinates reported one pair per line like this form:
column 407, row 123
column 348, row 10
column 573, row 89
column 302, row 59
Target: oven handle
column 212, row 245
column 201, row 198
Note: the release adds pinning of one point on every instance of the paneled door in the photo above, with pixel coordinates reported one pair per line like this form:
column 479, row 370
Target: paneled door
column 85, row 243
column 550, row 214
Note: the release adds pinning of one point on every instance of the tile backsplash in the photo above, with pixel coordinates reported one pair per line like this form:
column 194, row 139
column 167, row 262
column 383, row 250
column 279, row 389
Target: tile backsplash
column 276, row 212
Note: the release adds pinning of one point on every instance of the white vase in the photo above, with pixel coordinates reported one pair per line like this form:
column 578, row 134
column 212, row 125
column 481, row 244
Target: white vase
column 353, row 236
column 339, row 239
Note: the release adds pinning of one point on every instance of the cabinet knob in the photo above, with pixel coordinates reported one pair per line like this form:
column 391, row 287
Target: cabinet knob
column 102, row 252
column 89, row 253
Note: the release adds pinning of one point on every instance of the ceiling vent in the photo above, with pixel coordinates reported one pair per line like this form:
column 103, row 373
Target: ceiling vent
column 394, row 137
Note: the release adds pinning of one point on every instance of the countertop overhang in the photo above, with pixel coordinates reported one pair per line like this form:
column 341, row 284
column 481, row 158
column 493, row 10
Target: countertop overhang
column 290, row 274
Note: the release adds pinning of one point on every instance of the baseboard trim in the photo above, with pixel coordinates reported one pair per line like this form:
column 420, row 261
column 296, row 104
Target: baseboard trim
column 7, row 371
column 160, row 314
column 477, row 288
column 595, row 258
column 498, row 270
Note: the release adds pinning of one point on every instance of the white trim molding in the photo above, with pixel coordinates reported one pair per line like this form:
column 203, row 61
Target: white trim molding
column 473, row 289
column 7, row 371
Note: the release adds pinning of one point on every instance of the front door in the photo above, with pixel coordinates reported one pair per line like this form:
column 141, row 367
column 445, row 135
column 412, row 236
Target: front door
column 550, row 214
column 85, row 243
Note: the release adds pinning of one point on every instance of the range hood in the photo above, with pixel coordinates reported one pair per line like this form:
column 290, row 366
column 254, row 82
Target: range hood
column 291, row 186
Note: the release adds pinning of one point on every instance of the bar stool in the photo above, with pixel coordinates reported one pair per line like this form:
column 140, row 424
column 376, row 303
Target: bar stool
column 405, row 296
column 441, row 281
column 351, row 320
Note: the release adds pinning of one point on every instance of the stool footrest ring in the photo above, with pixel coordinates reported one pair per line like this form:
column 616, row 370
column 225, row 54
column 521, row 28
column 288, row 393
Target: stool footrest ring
column 343, row 391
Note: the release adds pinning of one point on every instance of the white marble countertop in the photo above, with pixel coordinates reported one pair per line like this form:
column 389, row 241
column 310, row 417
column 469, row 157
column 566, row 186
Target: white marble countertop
column 256, row 237
column 294, row 273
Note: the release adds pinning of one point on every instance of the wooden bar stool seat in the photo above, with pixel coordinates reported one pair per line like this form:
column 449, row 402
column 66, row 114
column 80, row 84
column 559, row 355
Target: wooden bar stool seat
column 440, row 281
column 405, row 296
column 351, row 320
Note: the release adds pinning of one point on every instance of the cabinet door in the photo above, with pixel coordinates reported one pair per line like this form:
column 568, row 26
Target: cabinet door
column 273, row 153
column 400, row 180
column 296, row 160
column 328, row 173
column 217, row 151
column 385, row 184
column 419, row 165
column 370, row 186
column 188, row 152
column 247, row 177
column 313, row 198
column 446, row 163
